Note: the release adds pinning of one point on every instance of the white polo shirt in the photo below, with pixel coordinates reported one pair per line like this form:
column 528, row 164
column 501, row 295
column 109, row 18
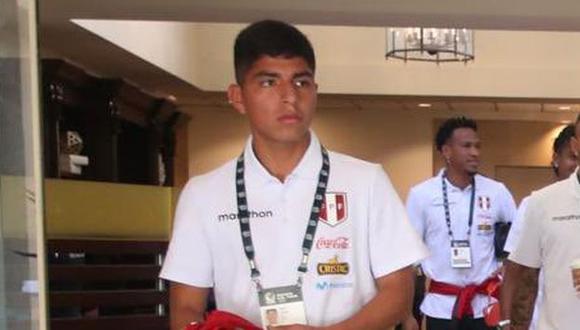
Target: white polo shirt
column 551, row 241
column 368, row 230
column 493, row 203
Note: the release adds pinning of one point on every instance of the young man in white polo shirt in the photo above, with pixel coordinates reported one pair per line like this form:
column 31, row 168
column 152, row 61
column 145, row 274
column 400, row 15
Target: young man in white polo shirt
column 455, row 213
column 551, row 229
column 563, row 164
column 320, row 236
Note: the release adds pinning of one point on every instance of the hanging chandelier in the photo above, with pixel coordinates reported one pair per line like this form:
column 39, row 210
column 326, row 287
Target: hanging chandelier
column 430, row 44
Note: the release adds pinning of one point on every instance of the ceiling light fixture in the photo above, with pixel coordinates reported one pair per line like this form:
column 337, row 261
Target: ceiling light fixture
column 424, row 105
column 564, row 107
column 430, row 44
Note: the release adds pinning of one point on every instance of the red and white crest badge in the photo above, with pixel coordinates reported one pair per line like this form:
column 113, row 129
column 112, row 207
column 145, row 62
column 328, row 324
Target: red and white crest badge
column 484, row 202
column 334, row 209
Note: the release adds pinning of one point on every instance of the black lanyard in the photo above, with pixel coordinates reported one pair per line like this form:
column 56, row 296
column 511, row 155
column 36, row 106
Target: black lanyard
column 446, row 207
column 244, row 216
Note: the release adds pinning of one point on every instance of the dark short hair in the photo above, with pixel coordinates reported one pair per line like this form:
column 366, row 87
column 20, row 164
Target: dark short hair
column 270, row 38
column 563, row 138
column 449, row 126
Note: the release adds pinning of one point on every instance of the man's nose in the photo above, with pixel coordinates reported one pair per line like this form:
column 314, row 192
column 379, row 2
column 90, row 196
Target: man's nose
column 288, row 92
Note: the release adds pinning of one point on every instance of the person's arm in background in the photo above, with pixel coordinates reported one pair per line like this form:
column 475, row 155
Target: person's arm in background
column 513, row 270
column 518, row 294
column 520, row 285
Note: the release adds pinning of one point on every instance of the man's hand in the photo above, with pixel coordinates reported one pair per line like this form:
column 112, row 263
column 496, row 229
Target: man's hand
column 576, row 279
column 410, row 323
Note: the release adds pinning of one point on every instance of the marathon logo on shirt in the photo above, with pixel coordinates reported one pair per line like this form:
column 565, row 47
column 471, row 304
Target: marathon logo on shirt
column 571, row 217
column 484, row 203
column 334, row 208
column 253, row 214
column 339, row 243
column 333, row 267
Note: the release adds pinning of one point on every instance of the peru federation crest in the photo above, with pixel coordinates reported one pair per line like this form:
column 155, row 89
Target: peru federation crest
column 484, row 203
column 334, row 209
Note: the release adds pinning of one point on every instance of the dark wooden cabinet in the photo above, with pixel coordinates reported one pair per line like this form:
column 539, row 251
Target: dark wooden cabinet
column 128, row 135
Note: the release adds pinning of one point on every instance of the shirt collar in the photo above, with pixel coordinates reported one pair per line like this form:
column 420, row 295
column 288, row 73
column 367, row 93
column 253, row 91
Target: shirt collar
column 574, row 182
column 452, row 186
column 308, row 167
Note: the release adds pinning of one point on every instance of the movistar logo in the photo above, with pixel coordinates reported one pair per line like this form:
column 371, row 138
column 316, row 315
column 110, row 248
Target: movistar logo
column 327, row 285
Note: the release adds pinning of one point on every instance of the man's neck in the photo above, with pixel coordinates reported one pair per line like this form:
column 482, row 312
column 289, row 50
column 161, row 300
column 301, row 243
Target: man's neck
column 459, row 179
column 280, row 159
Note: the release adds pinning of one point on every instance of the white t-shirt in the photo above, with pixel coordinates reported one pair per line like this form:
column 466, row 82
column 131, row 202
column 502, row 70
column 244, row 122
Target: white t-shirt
column 368, row 230
column 552, row 241
column 516, row 228
column 511, row 243
column 493, row 203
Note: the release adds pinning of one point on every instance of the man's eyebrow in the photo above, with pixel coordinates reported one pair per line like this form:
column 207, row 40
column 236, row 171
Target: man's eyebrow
column 304, row 74
column 270, row 74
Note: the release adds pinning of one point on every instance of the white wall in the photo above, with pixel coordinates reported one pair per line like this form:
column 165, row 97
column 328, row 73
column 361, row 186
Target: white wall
column 351, row 60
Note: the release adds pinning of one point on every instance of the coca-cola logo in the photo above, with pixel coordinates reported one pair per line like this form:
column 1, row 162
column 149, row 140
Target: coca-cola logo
column 339, row 243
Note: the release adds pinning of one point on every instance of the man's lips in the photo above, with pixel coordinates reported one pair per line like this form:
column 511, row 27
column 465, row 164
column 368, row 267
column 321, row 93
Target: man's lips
column 289, row 119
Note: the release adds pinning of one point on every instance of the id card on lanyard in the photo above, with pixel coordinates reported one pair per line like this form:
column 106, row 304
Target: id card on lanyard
column 460, row 254
column 282, row 305
column 460, row 249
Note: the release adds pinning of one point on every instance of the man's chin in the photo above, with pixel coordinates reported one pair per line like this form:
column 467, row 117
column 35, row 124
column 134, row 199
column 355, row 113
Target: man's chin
column 472, row 172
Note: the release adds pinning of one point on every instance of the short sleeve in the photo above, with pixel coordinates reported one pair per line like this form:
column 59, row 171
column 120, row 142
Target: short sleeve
column 393, row 242
column 188, row 258
column 528, row 251
column 508, row 205
column 415, row 212
column 516, row 228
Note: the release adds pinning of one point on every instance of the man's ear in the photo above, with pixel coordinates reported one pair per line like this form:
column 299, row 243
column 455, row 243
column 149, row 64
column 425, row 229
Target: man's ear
column 575, row 145
column 555, row 158
column 235, row 98
column 446, row 153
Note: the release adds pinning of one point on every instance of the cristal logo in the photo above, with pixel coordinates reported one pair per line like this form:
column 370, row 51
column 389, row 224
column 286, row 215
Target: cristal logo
column 339, row 243
column 333, row 267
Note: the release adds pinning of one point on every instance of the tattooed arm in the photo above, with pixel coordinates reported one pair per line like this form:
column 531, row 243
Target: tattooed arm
column 518, row 294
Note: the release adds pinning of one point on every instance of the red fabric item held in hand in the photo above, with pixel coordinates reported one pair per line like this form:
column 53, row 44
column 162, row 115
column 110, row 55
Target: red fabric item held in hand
column 220, row 320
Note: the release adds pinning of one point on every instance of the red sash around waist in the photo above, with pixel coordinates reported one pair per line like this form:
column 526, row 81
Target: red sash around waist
column 466, row 294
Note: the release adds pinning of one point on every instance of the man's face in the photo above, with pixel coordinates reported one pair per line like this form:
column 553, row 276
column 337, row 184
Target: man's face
column 279, row 97
column 565, row 161
column 462, row 150
column 272, row 316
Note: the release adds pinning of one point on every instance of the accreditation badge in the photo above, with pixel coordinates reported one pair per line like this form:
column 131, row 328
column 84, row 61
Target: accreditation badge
column 460, row 254
column 282, row 305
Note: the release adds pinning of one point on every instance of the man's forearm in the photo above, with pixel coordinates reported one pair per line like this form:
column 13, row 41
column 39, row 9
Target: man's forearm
column 390, row 306
column 187, row 304
column 513, row 273
column 524, row 291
